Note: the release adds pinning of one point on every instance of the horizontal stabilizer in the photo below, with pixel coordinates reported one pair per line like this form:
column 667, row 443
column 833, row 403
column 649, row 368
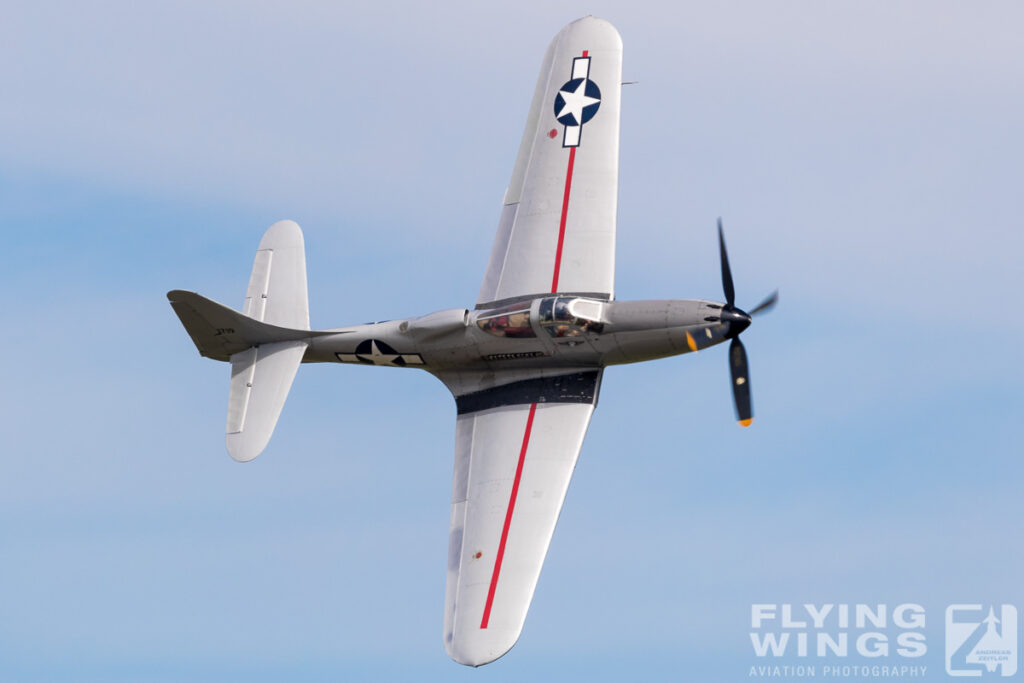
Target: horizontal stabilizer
column 277, row 287
column 265, row 343
column 260, row 379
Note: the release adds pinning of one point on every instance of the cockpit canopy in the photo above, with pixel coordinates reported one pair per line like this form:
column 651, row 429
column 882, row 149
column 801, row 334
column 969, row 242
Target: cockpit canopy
column 509, row 321
column 562, row 316
column 570, row 316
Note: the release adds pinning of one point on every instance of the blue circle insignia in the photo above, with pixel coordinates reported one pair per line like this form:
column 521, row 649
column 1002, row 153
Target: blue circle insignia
column 580, row 91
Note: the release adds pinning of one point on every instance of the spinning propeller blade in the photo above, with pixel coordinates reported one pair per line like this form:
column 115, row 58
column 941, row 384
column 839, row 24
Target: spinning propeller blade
column 738, row 320
column 766, row 305
column 740, row 382
column 730, row 292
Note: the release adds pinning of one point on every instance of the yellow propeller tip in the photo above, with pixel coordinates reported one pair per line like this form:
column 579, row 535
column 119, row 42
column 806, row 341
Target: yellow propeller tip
column 746, row 423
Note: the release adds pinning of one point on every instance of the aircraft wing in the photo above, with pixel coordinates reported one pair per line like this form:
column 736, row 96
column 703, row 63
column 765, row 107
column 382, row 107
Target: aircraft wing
column 557, row 226
column 516, row 446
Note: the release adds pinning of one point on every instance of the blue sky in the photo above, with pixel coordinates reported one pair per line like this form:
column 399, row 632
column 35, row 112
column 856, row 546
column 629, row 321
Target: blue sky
column 866, row 159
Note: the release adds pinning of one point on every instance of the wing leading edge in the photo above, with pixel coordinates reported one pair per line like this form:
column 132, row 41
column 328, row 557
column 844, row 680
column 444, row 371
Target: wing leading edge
column 557, row 226
column 513, row 463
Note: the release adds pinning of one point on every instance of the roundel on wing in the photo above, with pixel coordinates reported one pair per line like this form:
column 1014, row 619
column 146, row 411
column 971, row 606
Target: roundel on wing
column 577, row 101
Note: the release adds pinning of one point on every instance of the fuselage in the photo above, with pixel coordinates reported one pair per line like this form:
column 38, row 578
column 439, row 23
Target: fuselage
column 555, row 331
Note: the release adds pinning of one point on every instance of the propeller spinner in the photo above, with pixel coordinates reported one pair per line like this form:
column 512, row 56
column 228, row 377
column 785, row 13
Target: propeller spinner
column 738, row 320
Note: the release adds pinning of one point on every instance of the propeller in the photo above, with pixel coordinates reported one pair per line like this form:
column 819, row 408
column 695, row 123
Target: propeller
column 766, row 305
column 738, row 320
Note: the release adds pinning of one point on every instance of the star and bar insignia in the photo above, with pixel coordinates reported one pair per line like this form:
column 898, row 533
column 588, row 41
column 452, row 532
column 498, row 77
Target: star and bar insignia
column 577, row 101
column 376, row 352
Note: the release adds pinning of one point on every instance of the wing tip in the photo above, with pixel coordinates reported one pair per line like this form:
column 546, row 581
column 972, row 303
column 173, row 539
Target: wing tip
column 590, row 21
column 283, row 234
column 243, row 449
column 477, row 654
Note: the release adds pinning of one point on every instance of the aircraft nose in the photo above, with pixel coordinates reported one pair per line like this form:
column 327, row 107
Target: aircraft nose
column 737, row 320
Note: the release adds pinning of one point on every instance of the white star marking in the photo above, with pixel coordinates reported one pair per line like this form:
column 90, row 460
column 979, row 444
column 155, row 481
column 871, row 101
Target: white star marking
column 576, row 101
column 378, row 358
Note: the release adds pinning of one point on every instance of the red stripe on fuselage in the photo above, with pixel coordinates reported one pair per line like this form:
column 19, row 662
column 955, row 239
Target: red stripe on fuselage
column 508, row 519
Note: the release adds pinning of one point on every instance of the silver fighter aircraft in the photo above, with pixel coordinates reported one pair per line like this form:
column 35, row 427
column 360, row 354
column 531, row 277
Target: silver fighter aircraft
column 524, row 365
